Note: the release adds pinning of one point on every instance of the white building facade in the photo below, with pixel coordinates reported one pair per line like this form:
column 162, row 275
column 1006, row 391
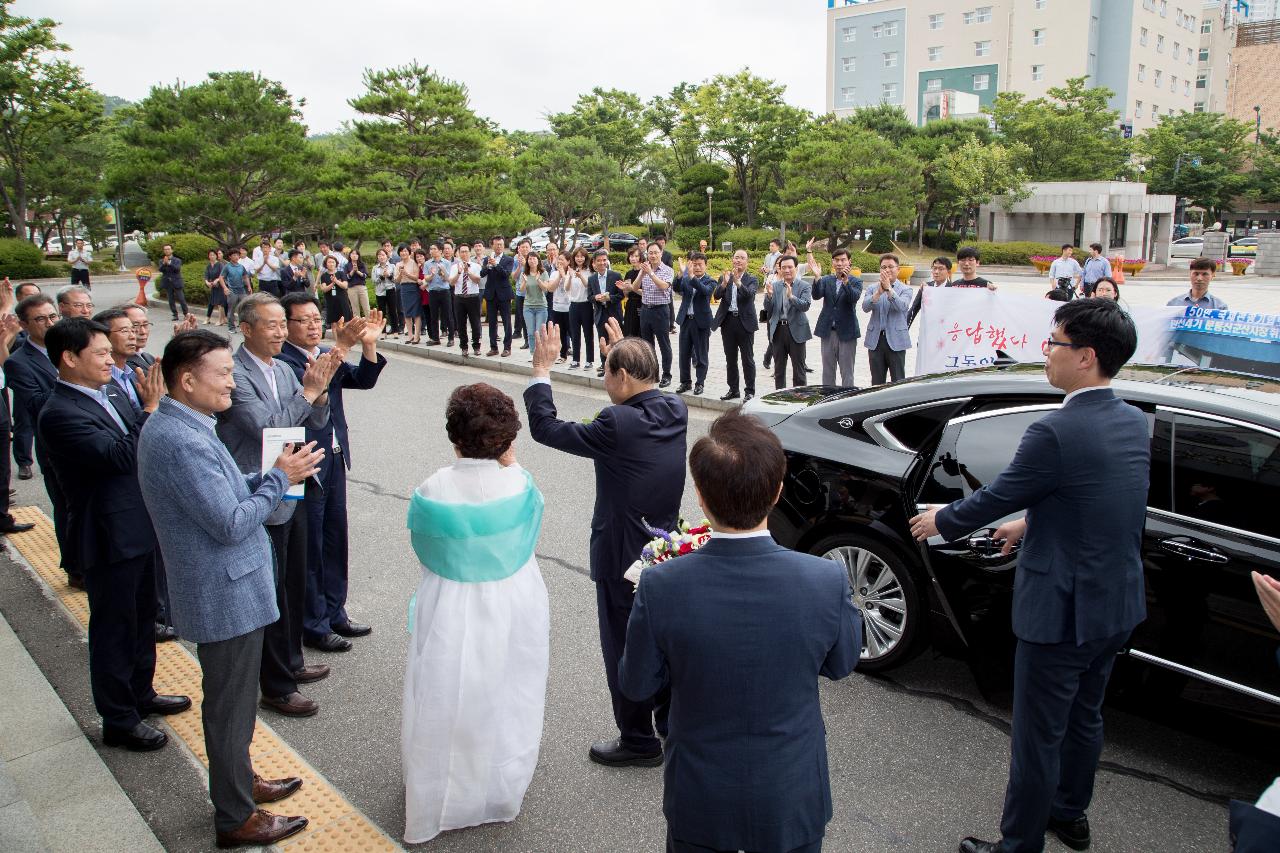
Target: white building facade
column 901, row 51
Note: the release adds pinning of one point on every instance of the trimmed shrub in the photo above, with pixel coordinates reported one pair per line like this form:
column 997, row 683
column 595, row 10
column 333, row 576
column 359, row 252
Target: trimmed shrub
column 192, row 248
column 880, row 243
column 1011, row 254
column 948, row 242
column 23, row 259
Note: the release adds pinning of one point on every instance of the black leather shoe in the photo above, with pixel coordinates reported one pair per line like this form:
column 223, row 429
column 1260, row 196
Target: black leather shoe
column 140, row 738
column 977, row 845
column 747, row 396
column 75, row 581
column 732, row 395
column 352, row 629
column 683, row 387
column 664, row 382
column 612, row 753
column 1073, row 833
column 24, row 472
column 697, row 389
column 165, row 633
column 162, row 704
column 15, row 528
column 329, row 643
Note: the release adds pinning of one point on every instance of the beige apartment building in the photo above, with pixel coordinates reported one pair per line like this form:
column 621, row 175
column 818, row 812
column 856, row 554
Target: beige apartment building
column 1218, row 20
column 930, row 55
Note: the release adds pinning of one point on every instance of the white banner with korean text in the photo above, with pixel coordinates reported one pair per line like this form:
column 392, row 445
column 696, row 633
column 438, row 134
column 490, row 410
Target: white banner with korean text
column 964, row 328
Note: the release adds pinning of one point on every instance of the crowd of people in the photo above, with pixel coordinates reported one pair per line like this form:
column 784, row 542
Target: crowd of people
column 435, row 293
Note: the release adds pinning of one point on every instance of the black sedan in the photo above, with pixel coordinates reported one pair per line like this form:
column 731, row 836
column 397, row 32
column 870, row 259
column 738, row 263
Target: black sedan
column 860, row 463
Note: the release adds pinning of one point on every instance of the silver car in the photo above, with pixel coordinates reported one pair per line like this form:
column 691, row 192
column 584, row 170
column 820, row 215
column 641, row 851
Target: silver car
column 1187, row 247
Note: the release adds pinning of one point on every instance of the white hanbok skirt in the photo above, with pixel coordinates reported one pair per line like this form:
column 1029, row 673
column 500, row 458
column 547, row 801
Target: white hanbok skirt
column 474, row 689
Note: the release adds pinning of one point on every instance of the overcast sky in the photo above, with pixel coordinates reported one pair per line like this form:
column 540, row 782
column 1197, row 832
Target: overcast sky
column 519, row 60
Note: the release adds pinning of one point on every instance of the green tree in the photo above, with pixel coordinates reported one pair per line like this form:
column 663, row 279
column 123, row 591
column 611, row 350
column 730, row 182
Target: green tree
column 437, row 166
column 1071, row 135
column 887, row 121
column 44, row 101
column 614, row 119
column 1201, row 157
column 565, row 180
column 690, row 209
column 674, row 117
column 745, row 121
column 930, row 143
column 227, row 158
column 843, row 177
column 978, row 173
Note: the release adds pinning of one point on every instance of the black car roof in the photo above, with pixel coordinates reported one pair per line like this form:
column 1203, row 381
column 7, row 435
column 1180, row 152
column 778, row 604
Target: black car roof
column 1253, row 398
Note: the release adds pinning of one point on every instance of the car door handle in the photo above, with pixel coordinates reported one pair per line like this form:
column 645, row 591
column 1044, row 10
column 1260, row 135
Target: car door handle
column 988, row 547
column 1193, row 552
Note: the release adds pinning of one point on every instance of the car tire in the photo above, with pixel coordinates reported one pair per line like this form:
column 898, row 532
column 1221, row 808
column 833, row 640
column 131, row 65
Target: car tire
column 884, row 589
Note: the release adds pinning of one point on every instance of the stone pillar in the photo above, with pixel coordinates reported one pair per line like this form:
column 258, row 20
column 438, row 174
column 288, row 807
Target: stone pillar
column 1267, row 261
column 1161, row 237
column 1215, row 245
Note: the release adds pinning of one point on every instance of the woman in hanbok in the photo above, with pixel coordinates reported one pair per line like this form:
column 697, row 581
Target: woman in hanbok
column 476, row 677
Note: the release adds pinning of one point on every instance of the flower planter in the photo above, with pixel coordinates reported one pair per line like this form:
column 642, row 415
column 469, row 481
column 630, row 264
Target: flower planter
column 1239, row 268
column 904, row 273
column 1041, row 266
column 1133, row 268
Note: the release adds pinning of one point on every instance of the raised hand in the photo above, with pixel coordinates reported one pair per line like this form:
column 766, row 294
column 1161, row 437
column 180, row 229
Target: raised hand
column 612, row 334
column 547, row 349
column 319, row 373
column 349, row 332
column 189, row 324
column 150, row 386
column 373, row 327
column 299, row 463
column 6, row 296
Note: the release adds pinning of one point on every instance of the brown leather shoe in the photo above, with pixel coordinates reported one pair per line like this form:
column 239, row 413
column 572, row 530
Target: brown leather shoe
column 492, row 352
column 270, row 790
column 506, row 353
column 262, row 828
column 311, row 672
column 293, row 705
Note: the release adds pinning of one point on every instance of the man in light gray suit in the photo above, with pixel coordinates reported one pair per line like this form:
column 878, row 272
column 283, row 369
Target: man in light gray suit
column 208, row 520
column 888, row 337
column 785, row 303
column 268, row 395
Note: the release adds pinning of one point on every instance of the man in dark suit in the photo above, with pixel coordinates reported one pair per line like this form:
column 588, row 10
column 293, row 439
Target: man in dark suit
column 785, row 304
column 325, row 623
column 24, row 428
column 695, row 288
column 141, row 334
column 90, row 433
column 838, row 319
column 1076, row 599
column 9, row 330
column 606, row 297
column 746, row 767
column 496, row 271
column 30, row 375
column 638, row 446
column 736, row 319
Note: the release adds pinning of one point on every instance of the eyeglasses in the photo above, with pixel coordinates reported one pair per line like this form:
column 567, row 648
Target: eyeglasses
column 45, row 319
column 307, row 321
column 1049, row 343
column 80, row 304
column 137, row 326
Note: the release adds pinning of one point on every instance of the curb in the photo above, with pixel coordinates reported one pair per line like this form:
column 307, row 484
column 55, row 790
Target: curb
column 497, row 364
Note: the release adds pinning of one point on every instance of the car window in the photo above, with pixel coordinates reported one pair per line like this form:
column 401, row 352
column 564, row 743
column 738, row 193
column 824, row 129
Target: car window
column 1226, row 473
column 983, row 448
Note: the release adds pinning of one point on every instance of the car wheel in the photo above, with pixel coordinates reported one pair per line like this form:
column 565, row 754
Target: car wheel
column 893, row 617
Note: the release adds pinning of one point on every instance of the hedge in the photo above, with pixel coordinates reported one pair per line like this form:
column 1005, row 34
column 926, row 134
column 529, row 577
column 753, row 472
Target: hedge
column 751, row 239
column 23, row 259
column 1011, row 254
column 191, row 248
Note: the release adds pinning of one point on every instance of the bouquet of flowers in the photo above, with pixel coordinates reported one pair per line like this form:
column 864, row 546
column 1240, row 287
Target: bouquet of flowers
column 667, row 545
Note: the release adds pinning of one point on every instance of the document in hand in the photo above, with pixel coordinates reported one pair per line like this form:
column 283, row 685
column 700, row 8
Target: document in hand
column 273, row 441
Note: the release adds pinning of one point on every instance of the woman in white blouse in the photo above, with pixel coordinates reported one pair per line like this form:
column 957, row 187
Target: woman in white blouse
column 580, row 317
column 560, row 282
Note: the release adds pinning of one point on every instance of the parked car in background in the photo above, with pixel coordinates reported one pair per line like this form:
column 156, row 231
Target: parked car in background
column 1187, row 247
column 1245, row 247
column 540, row 237
column 860, row 462
column 619, row 241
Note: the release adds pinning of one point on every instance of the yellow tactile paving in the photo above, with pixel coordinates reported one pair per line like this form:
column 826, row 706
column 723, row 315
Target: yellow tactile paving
column 336, row 825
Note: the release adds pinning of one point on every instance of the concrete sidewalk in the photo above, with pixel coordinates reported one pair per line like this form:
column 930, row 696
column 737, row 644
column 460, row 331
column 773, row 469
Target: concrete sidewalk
column 55, row 792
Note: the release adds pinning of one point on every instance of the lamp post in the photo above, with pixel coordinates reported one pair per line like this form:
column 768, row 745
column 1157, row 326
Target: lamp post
column 1194, row 160
column 710, row 192
column 1257, row 128
column 119, row 238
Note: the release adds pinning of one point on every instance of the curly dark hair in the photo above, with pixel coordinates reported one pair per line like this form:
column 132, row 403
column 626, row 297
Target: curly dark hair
column 481, row 421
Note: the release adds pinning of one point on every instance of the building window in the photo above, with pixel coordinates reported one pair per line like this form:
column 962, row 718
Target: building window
column 1040, row 4
column 981, row 82
column 982, row 48
column 850, row 33
column 1204, row 54
column 935, row 54
column 1149, row 5
column 849, row 94
column 967, row 17
column 1142, row 36
column 1155, row 111
column 1037, row 37
column 1142, row 73
column 1137, row 109
column 935, row 21
column 1037, row 72
column 886, row 30
column 1199, row 108
column 849, row 63
column 1164, row 8
column 1186, row 88
column 1177, row 51
column 1159, row 78
column 934, row 85
column 982, row 15
column 1206, row 26
column 889, row 92
column 1202, row 81
column 1173, row 83
column 891, row 60
column 1159, row 44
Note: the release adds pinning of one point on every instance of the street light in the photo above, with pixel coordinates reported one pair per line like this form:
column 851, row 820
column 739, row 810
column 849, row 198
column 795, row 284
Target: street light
column 1257, row 132
column 710, row 192
column 1194, row 160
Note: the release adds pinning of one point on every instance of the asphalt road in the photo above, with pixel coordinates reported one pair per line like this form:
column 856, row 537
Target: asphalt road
column 918, row 759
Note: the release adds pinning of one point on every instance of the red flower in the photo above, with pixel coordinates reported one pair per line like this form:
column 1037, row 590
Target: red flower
column 703, row 529
column 686, row 548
